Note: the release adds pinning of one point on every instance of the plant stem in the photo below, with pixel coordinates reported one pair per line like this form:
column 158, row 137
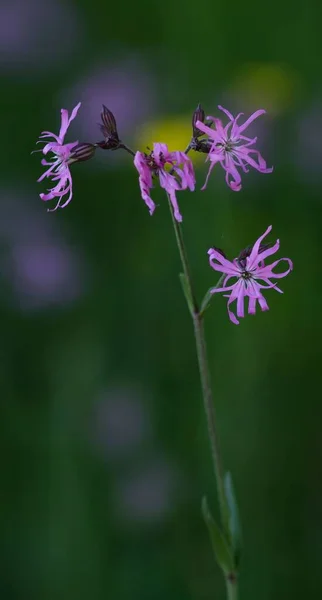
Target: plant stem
column 211, row 416
column 127, row 148
column 204, row 377
column 184, row 259
column 232, row 589
column 197, row 317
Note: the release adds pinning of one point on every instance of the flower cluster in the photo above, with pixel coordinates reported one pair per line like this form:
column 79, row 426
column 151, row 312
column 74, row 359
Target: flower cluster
column 226, row 145
column 223, row 144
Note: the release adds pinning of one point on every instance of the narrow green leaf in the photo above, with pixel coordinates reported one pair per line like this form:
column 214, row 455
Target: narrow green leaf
column 234, row 520
column 208, row 296
column 220, row 545
column 206, row 301
column 186, row 291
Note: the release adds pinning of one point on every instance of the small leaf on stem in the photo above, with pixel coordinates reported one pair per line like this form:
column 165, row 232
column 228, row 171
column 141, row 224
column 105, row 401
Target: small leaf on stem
column 219, row 542
column 186, row 291
column 208, row 296
column 206, row 301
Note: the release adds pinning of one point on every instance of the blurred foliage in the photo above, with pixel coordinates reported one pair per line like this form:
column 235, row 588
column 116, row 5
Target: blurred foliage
column 71, row 526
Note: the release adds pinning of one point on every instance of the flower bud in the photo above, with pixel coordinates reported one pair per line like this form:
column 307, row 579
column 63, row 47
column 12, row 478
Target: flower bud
column 243, row 255
column 109, row 130
column 198, row 115
column 200, row 145
column 247, row 252
column 81, row 152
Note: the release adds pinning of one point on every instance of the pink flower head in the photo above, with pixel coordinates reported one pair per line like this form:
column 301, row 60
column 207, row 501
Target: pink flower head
column 180, row 177
column 232, row 149
column 251, row 274
column 59, row 165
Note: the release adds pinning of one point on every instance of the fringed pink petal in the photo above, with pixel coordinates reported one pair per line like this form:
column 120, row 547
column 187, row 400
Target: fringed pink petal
column 252, row 118
column 267, row 271
column 65, row 121
column 229, row 115
column 233, row 178
column 262, row 256
column 254, row 253
column 175, row 206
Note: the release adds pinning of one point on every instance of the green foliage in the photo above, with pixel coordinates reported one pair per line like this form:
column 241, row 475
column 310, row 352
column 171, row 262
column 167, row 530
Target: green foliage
column 220, row 544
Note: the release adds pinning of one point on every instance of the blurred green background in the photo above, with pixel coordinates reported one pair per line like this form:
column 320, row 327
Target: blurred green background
column 103, row 440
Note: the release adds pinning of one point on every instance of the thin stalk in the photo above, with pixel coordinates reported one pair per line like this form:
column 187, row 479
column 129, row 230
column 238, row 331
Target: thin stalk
column 127, row 148
column 232, row 589
column 211, row 416
column 204, row 377
column 184, row 259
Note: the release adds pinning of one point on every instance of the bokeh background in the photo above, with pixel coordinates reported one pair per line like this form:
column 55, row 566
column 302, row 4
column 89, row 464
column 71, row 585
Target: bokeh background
column 103, row 442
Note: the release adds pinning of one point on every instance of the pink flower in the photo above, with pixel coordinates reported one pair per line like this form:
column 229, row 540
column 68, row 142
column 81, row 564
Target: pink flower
column 232, row 149
column 180, row 177
column 250, row 270
column 59, row 165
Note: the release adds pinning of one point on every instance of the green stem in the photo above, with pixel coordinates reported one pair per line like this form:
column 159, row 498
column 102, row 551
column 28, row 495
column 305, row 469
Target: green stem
column 184, row 258
column 205, row 377
column 232, row 589
column 211, row 416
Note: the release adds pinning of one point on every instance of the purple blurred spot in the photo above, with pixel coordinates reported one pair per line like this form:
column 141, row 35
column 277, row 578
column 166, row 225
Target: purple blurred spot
column 41, row 274
column 148, row 494
column 121, row 422
column 36, row 34
column 39, row 267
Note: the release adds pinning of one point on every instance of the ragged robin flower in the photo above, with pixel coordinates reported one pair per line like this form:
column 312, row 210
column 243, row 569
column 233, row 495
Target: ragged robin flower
column 180, row 175
column 63, row 156
column 233, row 150
column 251, row 275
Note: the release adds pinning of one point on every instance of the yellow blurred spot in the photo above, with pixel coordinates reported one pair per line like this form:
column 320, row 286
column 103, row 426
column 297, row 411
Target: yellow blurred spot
column 175, row 132
column 274, row 87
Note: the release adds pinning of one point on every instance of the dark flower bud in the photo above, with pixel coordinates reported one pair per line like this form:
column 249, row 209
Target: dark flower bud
column 198, row 115
column 81, row 152
column 243, row 255
column 203, row 145
column 109, row 130
column 247, row 252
